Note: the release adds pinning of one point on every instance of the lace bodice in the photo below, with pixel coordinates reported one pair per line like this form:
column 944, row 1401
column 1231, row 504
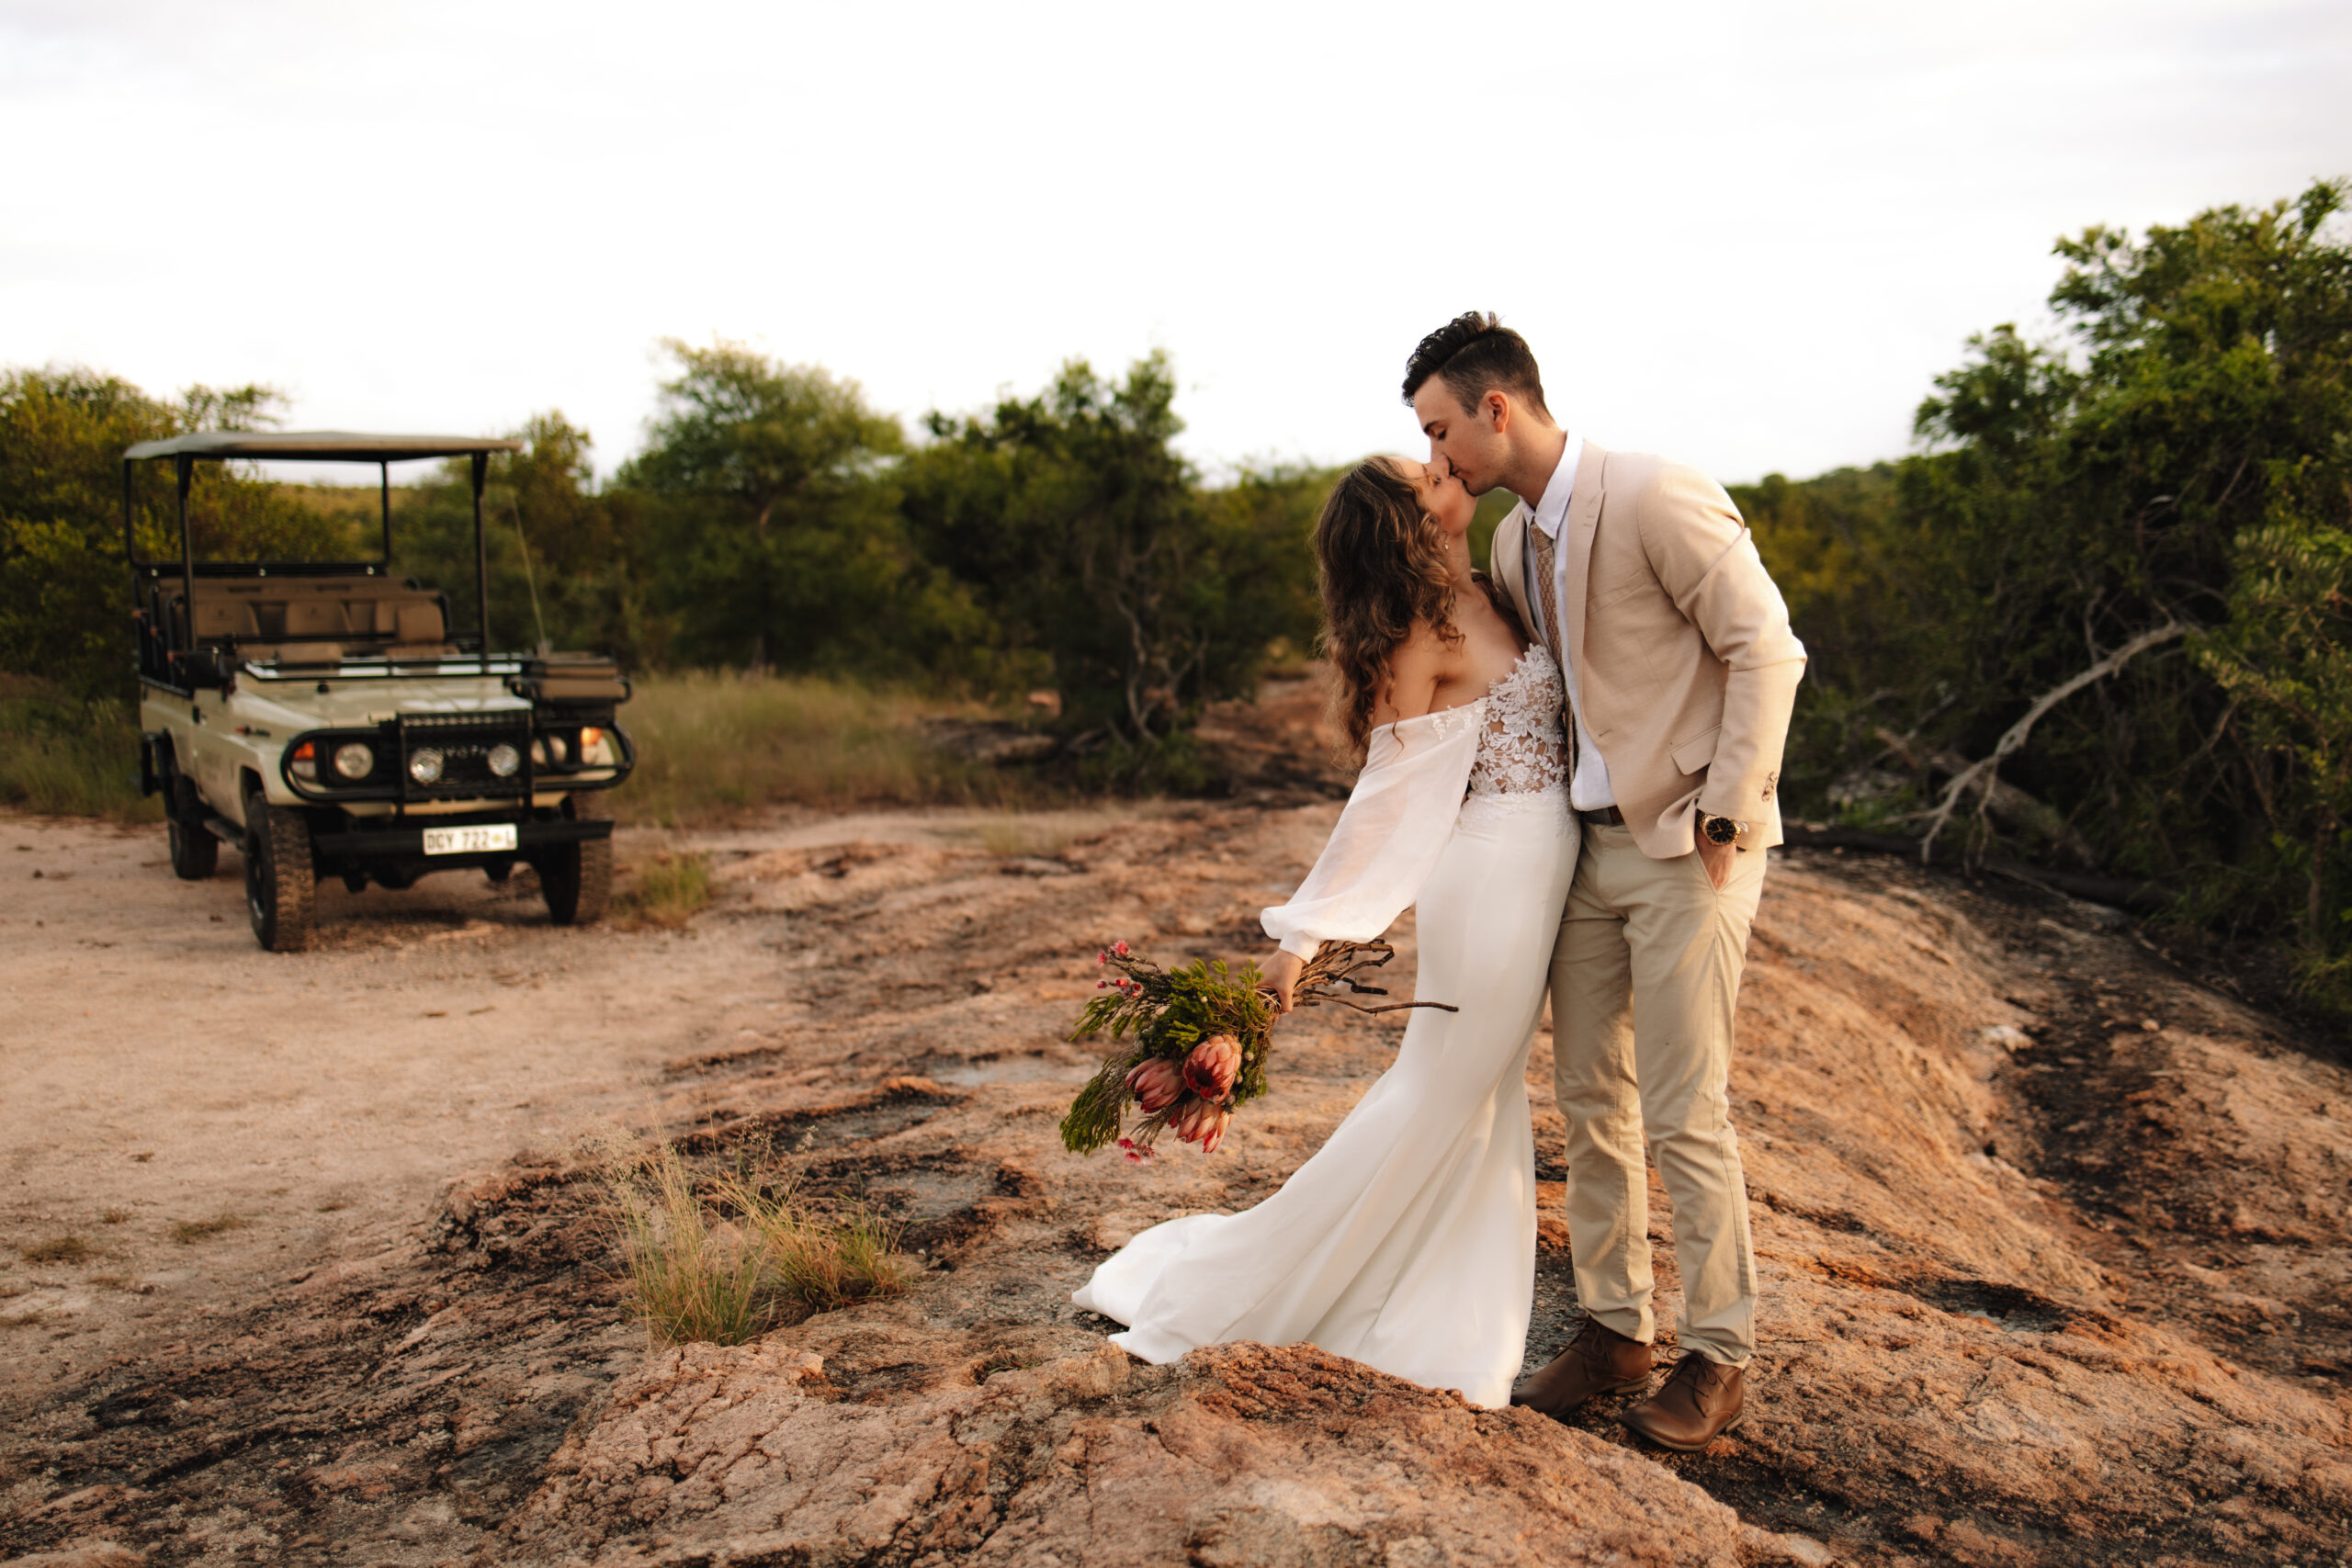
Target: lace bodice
column 1496, row 766
column 1524, row 749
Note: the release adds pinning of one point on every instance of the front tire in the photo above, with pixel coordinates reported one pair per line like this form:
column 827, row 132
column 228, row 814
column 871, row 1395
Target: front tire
column 196, row 853
column 577, row 879
column 281, row 887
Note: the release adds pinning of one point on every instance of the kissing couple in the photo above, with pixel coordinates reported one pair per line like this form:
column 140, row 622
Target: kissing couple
column 1569, row 772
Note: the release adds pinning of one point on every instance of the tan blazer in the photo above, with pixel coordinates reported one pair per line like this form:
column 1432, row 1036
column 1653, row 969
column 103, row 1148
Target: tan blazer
column 1681, row 645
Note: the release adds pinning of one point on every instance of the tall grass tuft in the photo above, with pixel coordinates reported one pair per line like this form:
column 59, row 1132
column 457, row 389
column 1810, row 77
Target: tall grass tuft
column 688, row 1279
column 711, row 747
column 726, row 1265
column 666, row 891
column 66, row 757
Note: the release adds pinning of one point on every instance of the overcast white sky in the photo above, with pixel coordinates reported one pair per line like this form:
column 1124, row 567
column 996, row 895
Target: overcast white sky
column 1748, row 234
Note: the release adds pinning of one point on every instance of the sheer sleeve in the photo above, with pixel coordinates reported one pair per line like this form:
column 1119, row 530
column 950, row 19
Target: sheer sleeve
column 1388, row 840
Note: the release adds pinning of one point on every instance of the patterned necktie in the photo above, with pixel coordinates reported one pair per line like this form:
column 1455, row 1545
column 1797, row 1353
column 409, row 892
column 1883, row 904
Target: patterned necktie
column 1547, row 588
column 1539, row 545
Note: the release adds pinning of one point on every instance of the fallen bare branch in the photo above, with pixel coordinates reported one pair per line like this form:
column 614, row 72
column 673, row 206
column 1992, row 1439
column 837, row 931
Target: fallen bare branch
column 1986, row 769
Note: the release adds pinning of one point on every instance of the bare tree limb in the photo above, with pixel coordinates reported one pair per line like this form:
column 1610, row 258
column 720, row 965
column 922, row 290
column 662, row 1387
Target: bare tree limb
column 1986, row 771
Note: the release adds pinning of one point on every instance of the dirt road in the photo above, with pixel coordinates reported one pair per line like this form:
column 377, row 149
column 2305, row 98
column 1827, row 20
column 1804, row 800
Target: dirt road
column 186, row 1119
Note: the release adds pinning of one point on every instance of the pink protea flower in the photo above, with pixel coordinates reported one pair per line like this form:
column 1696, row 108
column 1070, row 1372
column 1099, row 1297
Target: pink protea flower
column 1209, row 1071
column 1120, row 948
column 1155, row 1084
column 1102, row 958
column 1135, row 1152
column 1216, row 1133
column 1194, row 1120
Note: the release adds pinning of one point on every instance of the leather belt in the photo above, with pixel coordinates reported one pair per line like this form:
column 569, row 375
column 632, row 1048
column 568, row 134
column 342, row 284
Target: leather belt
column 1603, row 817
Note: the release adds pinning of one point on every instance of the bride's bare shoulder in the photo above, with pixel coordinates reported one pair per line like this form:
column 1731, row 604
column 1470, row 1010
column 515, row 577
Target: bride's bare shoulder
column 1416, row 667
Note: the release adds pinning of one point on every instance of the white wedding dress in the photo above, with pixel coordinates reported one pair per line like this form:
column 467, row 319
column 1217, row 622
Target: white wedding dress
column 1408, row 1242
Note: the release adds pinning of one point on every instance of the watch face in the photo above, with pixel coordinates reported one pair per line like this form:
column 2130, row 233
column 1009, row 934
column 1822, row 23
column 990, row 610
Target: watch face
column 1721, row 830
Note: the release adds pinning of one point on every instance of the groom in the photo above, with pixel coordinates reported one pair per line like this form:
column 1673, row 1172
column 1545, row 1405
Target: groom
column 1640, row 577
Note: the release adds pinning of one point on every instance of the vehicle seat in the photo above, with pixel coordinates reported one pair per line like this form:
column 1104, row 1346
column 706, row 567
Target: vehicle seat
column 220, row 618
column 314, row 617
column 417, row 630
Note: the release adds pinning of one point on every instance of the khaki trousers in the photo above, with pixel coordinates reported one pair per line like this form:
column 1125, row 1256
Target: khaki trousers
column 1644, row 976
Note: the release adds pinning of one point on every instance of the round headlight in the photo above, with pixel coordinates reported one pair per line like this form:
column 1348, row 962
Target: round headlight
column 503, row 760
column 425, row 766
column 354, row 759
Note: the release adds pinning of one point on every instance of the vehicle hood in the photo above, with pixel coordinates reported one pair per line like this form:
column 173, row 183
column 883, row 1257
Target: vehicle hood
column 286, row 707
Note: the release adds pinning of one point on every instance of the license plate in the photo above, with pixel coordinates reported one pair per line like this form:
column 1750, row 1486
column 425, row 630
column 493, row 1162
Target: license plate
column 468, row 840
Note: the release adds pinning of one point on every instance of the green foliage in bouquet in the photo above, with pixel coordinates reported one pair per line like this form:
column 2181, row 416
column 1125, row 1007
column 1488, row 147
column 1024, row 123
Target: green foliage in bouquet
column 1165, row 1013
column 1189, row 1045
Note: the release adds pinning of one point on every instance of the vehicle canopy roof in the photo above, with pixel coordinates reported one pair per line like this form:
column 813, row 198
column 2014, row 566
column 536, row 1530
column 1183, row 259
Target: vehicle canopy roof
column 321, row 446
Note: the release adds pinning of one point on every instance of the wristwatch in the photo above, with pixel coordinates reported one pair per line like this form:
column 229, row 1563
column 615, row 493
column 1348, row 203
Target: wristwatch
column 1721, row 830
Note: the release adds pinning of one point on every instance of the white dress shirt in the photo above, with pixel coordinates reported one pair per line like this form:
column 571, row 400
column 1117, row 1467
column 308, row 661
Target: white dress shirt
column 1588, row 788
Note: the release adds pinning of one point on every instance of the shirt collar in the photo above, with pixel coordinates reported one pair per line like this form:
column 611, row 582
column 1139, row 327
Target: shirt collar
column 1552, row 510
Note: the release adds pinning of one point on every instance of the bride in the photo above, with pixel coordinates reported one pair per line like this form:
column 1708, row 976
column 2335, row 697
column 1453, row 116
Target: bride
column 1408, row 1242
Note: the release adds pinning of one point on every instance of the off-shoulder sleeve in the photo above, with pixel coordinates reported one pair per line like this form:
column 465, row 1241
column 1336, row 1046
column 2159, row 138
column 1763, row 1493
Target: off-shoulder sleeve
column 1388, row 840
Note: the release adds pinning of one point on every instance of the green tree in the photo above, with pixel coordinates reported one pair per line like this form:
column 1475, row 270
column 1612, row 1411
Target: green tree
column 2284, row 658
column 571, row 564
column 1090, row 541
column 2170, row 477
column 1833, row 548
column 64, row 583
column 782, row 537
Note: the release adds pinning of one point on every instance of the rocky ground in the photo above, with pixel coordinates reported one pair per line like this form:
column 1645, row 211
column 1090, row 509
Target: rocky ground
column 2054, row 1241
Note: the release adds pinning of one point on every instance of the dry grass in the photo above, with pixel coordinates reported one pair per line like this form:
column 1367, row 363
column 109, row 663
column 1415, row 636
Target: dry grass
column 188, row 1233
column 58, row 1249
column 1002, row 1362
column 726, row 1265
column 1046, row 834
column 715, row 748
column 64, row 758
column 114, row 1217
column 665, row 892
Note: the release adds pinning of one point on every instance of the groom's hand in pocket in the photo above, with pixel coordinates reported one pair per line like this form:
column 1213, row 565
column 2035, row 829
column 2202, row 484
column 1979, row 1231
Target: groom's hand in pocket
column 1281, row 974
column 1717, row 858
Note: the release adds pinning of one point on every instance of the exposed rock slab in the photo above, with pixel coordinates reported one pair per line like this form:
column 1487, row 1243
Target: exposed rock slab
column 1238, row 1457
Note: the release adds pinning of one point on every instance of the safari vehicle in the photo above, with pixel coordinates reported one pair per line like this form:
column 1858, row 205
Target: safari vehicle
column 323, row 719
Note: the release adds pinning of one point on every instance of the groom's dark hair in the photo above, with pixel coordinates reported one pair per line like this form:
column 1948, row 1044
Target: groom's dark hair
column 1472, row 354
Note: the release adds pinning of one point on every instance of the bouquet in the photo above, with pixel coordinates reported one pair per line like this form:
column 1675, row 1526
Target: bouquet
column 1189, row 1045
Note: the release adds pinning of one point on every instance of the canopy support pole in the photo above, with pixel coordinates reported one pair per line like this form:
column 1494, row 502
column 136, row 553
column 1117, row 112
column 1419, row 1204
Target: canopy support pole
column 384, row 471
column 187, row 467
column 481, row 559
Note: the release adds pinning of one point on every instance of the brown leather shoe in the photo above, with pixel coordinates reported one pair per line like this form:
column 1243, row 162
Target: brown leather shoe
column 1700, row 1401
column 1597, row 1361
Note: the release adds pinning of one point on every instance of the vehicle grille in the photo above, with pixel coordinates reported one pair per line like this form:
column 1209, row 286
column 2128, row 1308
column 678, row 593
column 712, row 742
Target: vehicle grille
column 464, row 741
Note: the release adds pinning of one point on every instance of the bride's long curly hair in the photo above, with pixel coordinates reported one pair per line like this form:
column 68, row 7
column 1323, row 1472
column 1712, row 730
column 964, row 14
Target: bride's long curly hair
column 1382, row 562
